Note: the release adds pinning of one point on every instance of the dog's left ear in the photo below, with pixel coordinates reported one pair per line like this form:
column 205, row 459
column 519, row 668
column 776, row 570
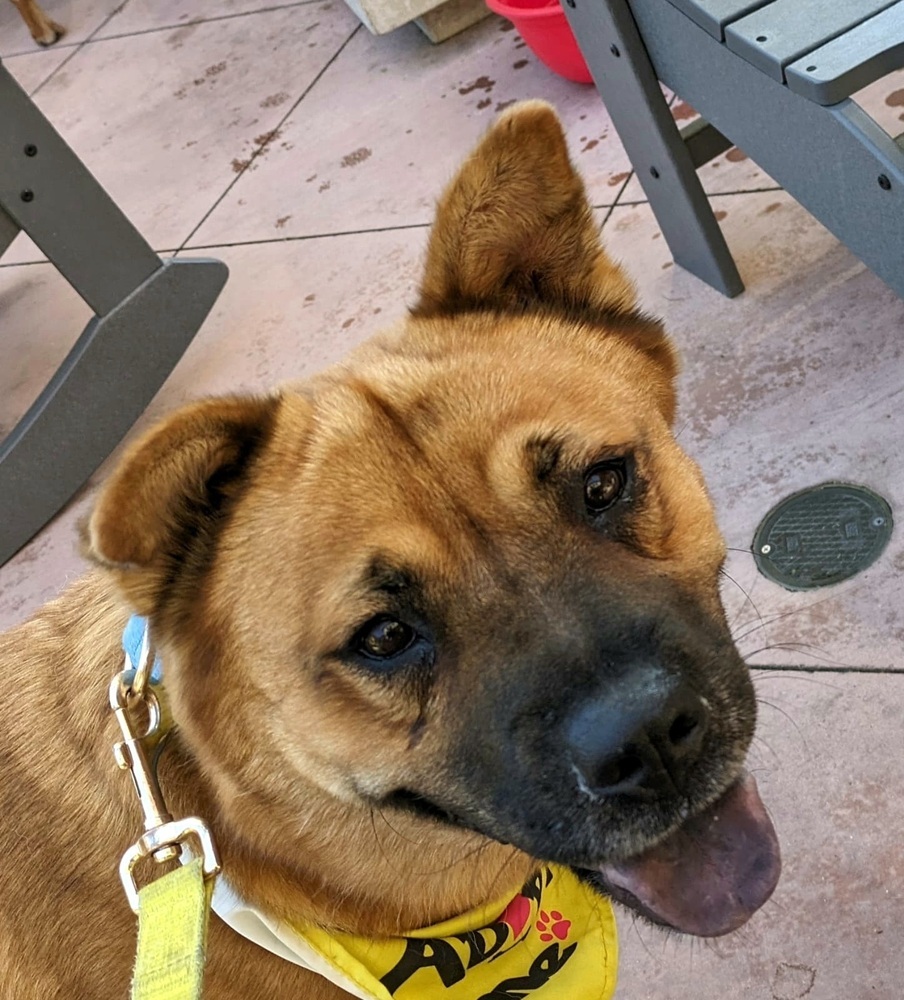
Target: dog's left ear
column 514, row 231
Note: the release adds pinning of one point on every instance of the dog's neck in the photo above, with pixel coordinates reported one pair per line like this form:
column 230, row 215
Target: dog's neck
column 345, row 868
column 345, row 865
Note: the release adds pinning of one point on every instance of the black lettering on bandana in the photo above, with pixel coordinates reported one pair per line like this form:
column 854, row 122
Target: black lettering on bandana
column 438, row 954
column 422, row 954
column 481, row 950
column 534, row 888
column 543, row 968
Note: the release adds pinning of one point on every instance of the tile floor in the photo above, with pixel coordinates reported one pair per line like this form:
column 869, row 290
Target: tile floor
column 285, row 140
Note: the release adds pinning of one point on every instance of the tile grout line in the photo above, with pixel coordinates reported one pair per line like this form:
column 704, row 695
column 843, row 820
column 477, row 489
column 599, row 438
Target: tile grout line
column 149, row 31
column 715, row 194
column 300, row 238
column 621, row 191
column 200, row 20
column 402, row 227
column 304, row 237
column 260, row 149
column 78, row 47
column 766, row 669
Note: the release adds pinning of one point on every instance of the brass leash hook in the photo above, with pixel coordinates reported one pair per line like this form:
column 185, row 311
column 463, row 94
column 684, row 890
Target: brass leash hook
column 135, row 693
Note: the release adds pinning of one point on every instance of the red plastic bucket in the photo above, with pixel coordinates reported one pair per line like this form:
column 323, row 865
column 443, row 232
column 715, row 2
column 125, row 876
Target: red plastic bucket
column 543, row 26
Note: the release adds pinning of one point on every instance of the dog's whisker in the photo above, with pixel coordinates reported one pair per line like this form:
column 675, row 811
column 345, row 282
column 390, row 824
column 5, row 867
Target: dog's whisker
column 379, row 842
column 398, row 833
column 794, row 644
column 788, row 716
column 803, row 648
column 758, row 742
column 753, row 625
column 473, row 852
column 464, row 857
column 804, row 607
column 748, row 599
column 763, row 674
column 513, row 852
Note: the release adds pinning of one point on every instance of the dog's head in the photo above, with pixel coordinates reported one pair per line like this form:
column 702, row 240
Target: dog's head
column 466, row 582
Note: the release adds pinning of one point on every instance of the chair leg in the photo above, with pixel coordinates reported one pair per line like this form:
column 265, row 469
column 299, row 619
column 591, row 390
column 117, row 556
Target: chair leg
column 46, row 190
column 8, row 231
column 147, row 312
column 625, row 79
column 99, row 391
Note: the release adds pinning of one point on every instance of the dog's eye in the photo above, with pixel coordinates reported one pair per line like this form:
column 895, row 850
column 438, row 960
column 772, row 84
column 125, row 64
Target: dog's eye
column 384, row 638
column 603, row 485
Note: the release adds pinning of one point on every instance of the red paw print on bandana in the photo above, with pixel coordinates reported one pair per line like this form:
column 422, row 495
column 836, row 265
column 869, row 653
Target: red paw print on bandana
column 553, row 925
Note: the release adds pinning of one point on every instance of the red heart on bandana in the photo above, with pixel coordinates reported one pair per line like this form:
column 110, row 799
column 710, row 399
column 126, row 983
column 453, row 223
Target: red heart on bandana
column 517, row 914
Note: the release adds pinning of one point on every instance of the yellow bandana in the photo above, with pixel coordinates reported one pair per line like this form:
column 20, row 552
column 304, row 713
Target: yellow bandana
column 556, row 939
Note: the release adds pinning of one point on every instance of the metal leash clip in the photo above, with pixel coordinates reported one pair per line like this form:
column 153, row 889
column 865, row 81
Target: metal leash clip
column 134, row 695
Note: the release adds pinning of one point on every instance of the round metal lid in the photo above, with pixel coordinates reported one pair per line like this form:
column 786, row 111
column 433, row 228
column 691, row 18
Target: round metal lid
column 822, row 535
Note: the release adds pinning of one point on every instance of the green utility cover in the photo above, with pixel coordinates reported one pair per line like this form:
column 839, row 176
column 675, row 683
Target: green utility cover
column 822, row 535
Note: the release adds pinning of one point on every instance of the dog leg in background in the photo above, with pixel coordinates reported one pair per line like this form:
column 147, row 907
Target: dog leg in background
column 43, row 30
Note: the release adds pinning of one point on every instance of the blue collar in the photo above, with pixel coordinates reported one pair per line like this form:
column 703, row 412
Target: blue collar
column 132, row 639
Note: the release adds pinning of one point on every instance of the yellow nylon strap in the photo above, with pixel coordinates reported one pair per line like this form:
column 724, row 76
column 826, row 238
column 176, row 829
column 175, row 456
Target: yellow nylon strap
column 172, row 935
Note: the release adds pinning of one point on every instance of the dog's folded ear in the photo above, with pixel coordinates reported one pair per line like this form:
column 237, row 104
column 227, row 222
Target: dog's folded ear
column 159, row 513
column 515, row 228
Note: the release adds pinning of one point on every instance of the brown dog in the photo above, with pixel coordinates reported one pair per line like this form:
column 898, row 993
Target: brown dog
column 43, row 30
column 449, row 608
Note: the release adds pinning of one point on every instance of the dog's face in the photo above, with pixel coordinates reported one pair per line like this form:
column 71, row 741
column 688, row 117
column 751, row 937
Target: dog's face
column 468, row 579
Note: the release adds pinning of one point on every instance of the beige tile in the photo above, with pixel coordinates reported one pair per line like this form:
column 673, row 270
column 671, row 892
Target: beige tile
column 884, row 101
column 165, row 119
column 32, row 68
column 79, row 17
column 148, row 15
column 411, row 112
column 829, row 765
column 291, row 309
column 793, row 383
column 288, row 310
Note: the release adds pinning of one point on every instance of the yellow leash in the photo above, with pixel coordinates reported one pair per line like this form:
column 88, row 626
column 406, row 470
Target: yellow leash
column 173, row 910
column 172, row 935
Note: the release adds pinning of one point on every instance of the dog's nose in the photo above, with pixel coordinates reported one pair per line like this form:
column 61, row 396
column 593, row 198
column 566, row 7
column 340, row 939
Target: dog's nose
column 639, row 738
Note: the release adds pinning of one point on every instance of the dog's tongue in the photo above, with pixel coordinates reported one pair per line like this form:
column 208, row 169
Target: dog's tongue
column 710, row 876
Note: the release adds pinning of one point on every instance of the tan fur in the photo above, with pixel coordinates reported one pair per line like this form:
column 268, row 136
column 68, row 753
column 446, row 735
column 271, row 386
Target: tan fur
column 44, row 30
column 416, row 446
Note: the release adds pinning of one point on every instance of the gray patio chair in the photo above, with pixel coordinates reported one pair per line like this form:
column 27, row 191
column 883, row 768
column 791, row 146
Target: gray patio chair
column 147, row 311
column 773, row 77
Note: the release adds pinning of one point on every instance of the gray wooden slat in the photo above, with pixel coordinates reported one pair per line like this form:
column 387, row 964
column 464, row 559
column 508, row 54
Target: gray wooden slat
column 853, row 60
column 713, row 15
column 786, row 30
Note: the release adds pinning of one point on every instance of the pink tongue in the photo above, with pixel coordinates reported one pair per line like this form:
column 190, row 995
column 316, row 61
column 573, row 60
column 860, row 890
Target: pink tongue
column 710, row 876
